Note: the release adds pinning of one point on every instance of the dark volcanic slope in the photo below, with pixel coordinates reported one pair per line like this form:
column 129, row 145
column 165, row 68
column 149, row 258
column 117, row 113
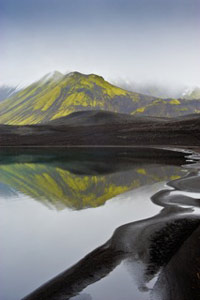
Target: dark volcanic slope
column 86, row 118
column 102, row 128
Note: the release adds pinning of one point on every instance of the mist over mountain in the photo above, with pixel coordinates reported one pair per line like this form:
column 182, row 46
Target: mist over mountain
column 155, row 89
column 6, row 91
column 160, row 90
column 192, row 93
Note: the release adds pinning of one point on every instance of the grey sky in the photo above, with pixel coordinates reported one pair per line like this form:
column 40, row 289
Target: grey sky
column 136, row 40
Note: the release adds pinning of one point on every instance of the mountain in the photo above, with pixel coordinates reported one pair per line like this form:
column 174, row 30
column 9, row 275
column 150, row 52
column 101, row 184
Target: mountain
column 169, row 108
column 102, row 128
column 57, row 95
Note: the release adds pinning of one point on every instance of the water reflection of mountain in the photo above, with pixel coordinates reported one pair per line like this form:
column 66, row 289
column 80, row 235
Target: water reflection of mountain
column 85, row 178
column 165, row 246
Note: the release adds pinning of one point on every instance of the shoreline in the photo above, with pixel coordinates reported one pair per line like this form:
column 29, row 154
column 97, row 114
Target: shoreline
column 176, row 148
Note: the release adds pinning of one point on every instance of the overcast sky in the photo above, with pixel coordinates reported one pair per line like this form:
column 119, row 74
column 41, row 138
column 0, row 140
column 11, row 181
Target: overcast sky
column 137, row 40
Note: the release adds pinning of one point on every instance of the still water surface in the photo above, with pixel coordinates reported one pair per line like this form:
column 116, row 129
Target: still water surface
column 139, row 205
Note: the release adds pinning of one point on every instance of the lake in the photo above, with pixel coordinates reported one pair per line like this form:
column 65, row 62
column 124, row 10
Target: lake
column 99, row 223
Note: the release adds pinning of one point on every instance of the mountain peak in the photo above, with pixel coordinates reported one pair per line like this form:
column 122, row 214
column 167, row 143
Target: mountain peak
column 96, row 76
column 78, row 74
column 74, row 73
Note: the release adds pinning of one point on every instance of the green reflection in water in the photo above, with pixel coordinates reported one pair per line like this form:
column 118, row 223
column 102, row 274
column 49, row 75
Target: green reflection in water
column 73, row 183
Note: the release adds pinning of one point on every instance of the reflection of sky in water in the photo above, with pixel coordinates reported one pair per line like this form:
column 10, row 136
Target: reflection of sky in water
column 109, row 287
column 46, row 242
column 6, row 191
